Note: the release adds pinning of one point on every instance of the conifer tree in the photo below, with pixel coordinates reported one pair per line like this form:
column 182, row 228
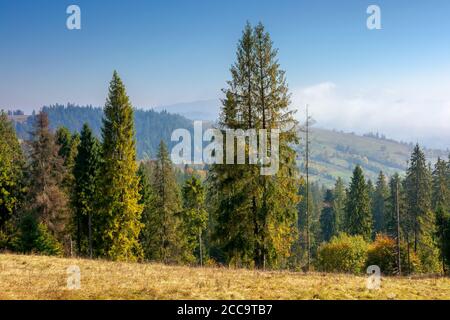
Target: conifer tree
column 380, row 195
column 165, row 240
column 195, row 217
column 86, row 168
column 257, row 98
column 418, row 193
column 63, row 139
column 358, row 219
column 443, row 237
column 392, row 201
column 120, row 220
column 48, row 204
column 440, row 192
column 11, row 179
column 327, row 218
column 146, row 173
column 339, row 200
column 441, row 207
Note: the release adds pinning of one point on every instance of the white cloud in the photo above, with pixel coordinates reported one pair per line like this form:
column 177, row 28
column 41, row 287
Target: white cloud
column 412, row 113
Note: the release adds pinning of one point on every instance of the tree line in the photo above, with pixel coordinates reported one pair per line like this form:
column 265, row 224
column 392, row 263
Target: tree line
column 70, row 193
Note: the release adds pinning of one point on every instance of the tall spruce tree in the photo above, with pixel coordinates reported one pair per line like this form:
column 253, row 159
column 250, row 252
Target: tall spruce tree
column 257, row 98
column 11, row 179
column 418, row 192
column 380, row 196
column 48, row 203
column 163, row 233
column 358, row 219
column 86, row 169
column 120, row 221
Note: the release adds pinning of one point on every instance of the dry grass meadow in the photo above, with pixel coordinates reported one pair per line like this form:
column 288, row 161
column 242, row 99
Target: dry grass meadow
column 38, row 277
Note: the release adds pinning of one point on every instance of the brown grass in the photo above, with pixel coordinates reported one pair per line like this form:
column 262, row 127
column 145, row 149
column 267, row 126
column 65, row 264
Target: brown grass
column 38, row 277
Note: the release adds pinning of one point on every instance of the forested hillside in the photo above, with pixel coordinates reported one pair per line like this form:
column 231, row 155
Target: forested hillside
column 151, row 126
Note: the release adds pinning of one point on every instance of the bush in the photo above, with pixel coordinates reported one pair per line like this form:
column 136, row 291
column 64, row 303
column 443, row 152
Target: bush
column 383, row 253
column 35, row 238
column 343, row 253
column 46, row 243
column 8, row 237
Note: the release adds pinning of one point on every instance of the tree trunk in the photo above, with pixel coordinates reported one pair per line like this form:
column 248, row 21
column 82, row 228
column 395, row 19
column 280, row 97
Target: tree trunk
column 90, row 234
column 200, row 246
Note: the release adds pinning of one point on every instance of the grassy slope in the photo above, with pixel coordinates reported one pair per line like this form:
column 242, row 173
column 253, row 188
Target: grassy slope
column 37, row 277
column 335, row 154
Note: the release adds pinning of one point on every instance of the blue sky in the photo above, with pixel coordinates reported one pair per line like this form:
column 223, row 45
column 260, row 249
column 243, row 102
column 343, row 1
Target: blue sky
column 179, row 51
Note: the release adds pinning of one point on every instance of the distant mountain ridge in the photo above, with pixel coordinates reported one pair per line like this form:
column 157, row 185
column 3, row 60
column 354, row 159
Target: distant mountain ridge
column 333, row 154
column 207, row 110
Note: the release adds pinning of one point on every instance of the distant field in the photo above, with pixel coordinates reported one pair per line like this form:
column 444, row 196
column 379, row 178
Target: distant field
column 37, row 277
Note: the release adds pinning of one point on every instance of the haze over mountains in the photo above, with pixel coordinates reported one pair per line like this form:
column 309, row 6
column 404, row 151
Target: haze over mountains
column 333, row 153
column 349, row 115
column 196, row 110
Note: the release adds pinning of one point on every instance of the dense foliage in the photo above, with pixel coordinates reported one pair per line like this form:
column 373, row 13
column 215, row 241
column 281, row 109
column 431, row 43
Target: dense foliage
column 150, row 126
column 343, row 253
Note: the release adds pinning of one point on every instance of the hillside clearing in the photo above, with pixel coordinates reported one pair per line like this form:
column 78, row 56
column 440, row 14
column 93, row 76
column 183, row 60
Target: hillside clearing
column 38, row 277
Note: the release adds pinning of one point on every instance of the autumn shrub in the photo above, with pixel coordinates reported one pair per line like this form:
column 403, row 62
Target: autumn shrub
column 344, row 253
column 383, row 253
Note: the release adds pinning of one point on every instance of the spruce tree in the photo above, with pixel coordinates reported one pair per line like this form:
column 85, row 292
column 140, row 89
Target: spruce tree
column 165, row 240
column 257, row 98
column 392, row 201
column 339, row 200
column 418, row 192
column 380, row 196
column 86, row 168
column 146, row 173
column 440, row 184
column 327, row 218
column 47, row 202
column 440, row 204
column 358, row 219
column 12, row 163
column 119, row 183
column 443, row 237
column 230, row 181
column 195, row 217
column 63, row 139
